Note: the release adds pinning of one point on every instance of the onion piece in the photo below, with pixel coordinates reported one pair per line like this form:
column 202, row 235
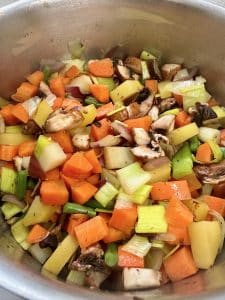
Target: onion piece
column 13, row 199
column 31, row 105
column 44, row 88
column 50, row 99
column 166, row 237
column 107, row 141
column 221, row 221
column 83, row 82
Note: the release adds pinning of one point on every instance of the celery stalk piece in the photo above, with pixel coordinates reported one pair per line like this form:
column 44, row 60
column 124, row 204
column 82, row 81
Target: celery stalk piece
column 13, row 129
column 173, row 111
column 184, row 133
column 3, row 102
column 20, row 233
column 182, row 162
column 141, row 194
column 132, row 177
column 157, row 244
column 76, row 277
column 117, row 157
column 164, row 88
column 145, row 55
column 111, row 255
column 194, row 143
column 151, row 219
column 111, row 178
column 125, row 90
column 105, row 194
column 109, row 82
column 21, row 184
column 217, row 152
column 14, row 138
column 220, row 111
column 73, row 62
column 61, row 255
column 38, row 212
column 40, row 254
column 91, row 100
column 43, row 111
column 145, row 71
column 137, row 245
column 8, row 180
column 9, row 210
column 154, row 259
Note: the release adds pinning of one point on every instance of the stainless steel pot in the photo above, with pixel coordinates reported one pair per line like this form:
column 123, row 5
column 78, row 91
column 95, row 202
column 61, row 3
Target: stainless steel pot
column 190, row 31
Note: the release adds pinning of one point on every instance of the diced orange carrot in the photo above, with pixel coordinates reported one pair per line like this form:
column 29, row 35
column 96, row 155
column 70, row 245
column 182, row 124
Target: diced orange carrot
column 83, row 191
column 129, row 260
column 26, row 148
column 165, row 190
column 178, row 217
column 57, row 103
column 192, row 181
column 101, row 68
column 74, row 221
column 143, row 122
column 114, row 235
column 63, row 138
column 69, row 181
column 204, row 153
column 124, row 219
column 19, row 112
column 24, row 92
column 100, row 92
column 152, row 85
column 182, row 118
column 93, row 179
column 8, row 152
column 77, row 166
column 66, row 80
column 36, row 78
column 180, row 265
column 105, row 216
column 52, row 174
column 101, row 129
column 54, row 192
column 37, row 234
column 9, row 118
column 93, row 160
column 91, row 231
column 103, row 110
column 215, row 203
column 57, row 86
column 72, row 72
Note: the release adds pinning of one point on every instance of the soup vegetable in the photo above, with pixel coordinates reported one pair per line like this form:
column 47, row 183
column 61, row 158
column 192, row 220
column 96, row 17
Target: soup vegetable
column 114, row 167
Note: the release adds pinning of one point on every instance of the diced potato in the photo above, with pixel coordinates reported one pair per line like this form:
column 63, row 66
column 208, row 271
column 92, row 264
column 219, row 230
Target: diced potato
column 117, row 157
column 125, row 90
column 205, row 239
column 199, row 209
column 61, row 255
column 183, row 133
column 38, row 212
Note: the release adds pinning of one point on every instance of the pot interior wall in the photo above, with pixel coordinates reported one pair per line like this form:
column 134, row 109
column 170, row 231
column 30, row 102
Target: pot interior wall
column 179, row 31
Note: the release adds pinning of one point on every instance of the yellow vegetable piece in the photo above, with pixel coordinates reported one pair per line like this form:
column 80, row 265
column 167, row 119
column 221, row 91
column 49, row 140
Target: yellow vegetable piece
column 125, row 90
column 161, row 173
column 183, row 133
column 14, row 138
column 89, row 113
column 20, row 233
column 199, row 209
column 43, row 111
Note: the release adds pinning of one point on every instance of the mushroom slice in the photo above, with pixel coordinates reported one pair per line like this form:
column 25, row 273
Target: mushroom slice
column 122, row 129
column 81, row 141
column 154, row 70
column 167, row 103
column 146, row 105
column 133, row 63
column 44, row 88
column 165, row 123
column 123, row 72
column 141, row 136
column 154, row 112
column 133, row 110
column 170, row 70
column 145, row 152
column 212, row 174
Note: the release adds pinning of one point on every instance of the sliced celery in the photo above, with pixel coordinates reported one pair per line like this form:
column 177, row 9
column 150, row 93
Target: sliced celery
column 184, row 133
column 111, row 255
column 132, row 177
column 137, row 245
column 151, row 219
column 21, row 184
column 9, row 210
column 194, row 143
column 40, row 254
column 111, row 178
column 182, row 162
column 74, row 208
column 105, row 194
column 141, row 194
column 173, row 111
column 43, row 111
column 164, row 88
column 20, row 233
column 13, row 129
column 125, row 90
column 8, row 180
column 117, row 157
column 76, row 277
column 157, row 244
column 14, row 138
column 3, row 102
column 38, row 212
column 109, row 82
column 217, row 152
column 206, row 133
column 145, row 71
column 145, row 55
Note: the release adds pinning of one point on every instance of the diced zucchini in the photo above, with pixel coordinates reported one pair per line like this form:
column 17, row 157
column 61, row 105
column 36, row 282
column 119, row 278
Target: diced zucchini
column 137, row 245
column 117, row 157
column 38, row 212
column 164, row 88
column 3, row 102
column 61, row 255
column 8, row 180
column 89, row 113
column 14, row 138
column 43, row 111
column 109, row 82
column 132, row 177
column 20, row 233
column 183, row 133
column 76, row 277
column 21, row 184
column 13, row 129
column 125, row 90
column 141, row 194
column 40, row 254
column 9, row 210
column 205, row 237
column 105, row 194
column 151, row 219
column 162, row 173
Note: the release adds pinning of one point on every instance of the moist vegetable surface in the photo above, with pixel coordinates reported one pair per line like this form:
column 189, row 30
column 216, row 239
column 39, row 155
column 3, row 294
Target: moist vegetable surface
column 114, row 167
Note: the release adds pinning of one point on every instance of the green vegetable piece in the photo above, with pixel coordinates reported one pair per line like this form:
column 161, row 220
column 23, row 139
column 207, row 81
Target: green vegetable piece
column 182, row 162
column 14, row 138
column 111, row 255
column 3, row 102
column 184, row 133
column 76, row 48
column 141, row 194
column 43, row 111
column 217, row 152
column 145, row 55
column 173, row 111
column 91, row 100
column 125, row 90
column 223, row 151
column 106, row 81
column 102, row 210
column 132, row 177
column 20, row 233
column 137, row 245
column 194, row 143
column 151, row 219
column 47, row 73
column 145, row 71
column 105, row 194
column 13, row 129
column 9, row 210
column 8, row 181
column 73, row 208
column 42, row 142
column 108, row 176
column 21, row 184
column 94, row 204
column 76, row 277
column 192, row 94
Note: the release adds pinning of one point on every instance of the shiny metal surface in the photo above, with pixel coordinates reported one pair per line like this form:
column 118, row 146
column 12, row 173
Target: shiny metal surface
column 189, row 31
